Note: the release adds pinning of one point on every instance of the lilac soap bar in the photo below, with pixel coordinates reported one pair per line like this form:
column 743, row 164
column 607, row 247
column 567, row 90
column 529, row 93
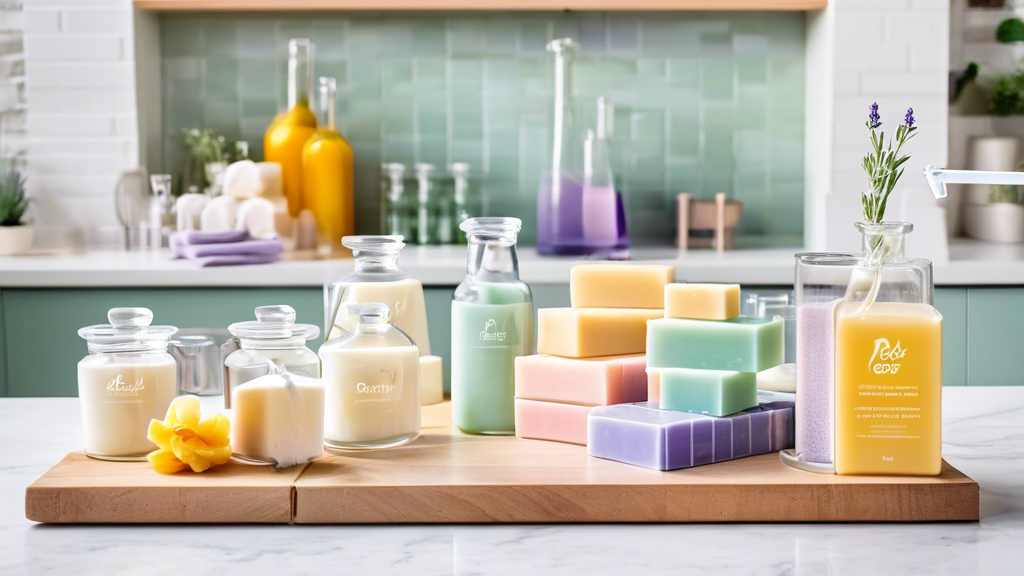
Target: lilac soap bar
column 642, row 434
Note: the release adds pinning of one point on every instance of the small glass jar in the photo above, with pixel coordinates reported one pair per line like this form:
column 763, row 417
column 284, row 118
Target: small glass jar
column 371, row 378
column 398, row 209
column 463, row 200
column 127, row 379
column 273, row 336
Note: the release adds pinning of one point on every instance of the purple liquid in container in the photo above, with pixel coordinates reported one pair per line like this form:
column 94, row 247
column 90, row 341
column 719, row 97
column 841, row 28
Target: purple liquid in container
column 572, row 220
column 815, row 381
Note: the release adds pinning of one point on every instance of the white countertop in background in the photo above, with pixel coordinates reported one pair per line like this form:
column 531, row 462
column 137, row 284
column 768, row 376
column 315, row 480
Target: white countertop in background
column 983, row 435
column 971, row 262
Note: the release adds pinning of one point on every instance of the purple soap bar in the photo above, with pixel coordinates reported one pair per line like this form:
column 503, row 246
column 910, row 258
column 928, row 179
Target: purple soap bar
column 642, row 434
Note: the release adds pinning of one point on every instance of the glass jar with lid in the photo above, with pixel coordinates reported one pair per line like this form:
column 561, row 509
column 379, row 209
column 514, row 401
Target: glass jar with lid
column 371, row 381
column 127, row 379
column 273, row 336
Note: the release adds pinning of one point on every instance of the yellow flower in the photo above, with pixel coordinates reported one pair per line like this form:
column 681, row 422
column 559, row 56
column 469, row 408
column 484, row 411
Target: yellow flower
column 186, row 441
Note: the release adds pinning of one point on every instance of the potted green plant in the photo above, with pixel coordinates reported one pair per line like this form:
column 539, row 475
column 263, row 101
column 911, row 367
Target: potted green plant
column 204, row 159
column 15, row 231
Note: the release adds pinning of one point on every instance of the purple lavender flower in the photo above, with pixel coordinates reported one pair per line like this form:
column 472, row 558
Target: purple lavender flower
column 873, row 120
column 909, row 118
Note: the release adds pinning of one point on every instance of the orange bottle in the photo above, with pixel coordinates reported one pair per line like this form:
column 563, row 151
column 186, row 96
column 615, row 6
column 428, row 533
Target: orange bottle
column 327, row 170
column 288, row 132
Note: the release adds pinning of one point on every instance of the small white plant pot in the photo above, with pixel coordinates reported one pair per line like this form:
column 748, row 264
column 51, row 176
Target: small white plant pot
column 995, row 222
column 15, row 240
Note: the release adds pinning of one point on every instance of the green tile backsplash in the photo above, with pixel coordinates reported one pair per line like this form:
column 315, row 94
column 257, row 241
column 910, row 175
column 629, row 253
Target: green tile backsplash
column 703, row 103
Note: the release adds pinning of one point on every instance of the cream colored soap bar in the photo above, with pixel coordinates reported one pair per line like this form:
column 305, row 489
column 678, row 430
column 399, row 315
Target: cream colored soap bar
column 619, row 285
column 702, row 301
column 588, row 332
column 431, row 380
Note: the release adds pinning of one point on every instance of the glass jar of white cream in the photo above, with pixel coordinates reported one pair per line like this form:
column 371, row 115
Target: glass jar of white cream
column 127, row 379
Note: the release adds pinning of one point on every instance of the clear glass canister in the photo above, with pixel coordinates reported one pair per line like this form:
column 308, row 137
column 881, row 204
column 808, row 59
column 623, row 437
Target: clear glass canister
column 278, row 419
column 274, row 336
column 377, row 279
column 492, row 324
column 127, row 379
column 888, row 362
column 398, row 208
column 371, row 377
column 821, row 282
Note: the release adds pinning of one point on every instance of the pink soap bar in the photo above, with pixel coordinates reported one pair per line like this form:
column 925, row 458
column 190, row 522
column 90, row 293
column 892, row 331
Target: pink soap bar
column 596, row 381
column 552, row 421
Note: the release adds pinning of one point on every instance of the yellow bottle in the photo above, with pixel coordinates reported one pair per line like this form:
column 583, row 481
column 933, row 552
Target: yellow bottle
column 287, row 134
column 327, row 170
column 888, row 366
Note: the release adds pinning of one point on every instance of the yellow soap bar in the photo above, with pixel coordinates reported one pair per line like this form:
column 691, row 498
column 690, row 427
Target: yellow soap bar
column 702, row 301
column 619, row 285
column 588, row 332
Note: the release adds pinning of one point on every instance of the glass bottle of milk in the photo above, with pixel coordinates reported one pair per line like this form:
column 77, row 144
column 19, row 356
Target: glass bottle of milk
column 492, row 323
column 274, row 336
column 377, row 279
column 127, row 379
column 372, row 382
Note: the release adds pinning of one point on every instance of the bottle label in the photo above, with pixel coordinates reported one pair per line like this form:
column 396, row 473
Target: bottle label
column 118, row 387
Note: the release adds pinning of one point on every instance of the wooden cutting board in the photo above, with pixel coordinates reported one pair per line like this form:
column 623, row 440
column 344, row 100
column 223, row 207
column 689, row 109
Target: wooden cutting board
column 446, row 476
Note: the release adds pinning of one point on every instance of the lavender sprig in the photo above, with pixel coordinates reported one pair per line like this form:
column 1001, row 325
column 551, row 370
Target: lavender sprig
column 884, row 166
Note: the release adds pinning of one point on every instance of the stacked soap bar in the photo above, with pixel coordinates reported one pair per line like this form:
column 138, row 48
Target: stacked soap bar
column 644, row 435
column 706, row 355
column 591, row 354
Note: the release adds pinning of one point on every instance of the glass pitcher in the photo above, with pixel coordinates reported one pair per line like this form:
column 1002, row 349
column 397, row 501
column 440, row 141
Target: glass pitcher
column 492, row 324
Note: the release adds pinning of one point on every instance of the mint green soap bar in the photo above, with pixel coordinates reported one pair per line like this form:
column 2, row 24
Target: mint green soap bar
column 741, row 344
column 710, row 392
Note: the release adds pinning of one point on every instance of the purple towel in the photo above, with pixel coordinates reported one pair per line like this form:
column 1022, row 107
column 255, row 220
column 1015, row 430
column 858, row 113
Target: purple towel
column 248, row 247
column 217, row 237
column 235, row 259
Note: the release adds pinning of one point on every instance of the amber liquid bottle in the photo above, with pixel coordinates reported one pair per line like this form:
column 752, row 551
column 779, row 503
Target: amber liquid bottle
column 327, row 170
column 287, row 134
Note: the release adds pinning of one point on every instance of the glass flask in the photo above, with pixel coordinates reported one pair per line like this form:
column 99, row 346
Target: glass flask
column 371, row 378
column 127, row 379
column 162, row 218
column 427, row 204
column 888, row 361
column 578, row 210
column 287, row 134
column 492, row 324
column 461, row 200
column 273, row 336
column 398, row 209
column 328, row 174
column 377, row 279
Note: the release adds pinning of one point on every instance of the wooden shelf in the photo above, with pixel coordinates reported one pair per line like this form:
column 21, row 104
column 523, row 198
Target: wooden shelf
column 444, row 5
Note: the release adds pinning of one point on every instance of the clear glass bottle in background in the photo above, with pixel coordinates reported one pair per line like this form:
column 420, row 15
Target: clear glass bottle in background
column 377, row 279
column 461, row 199
column 371, row 377
column 287, row 134
column 443, row 206
column 241, row 151
column 127, row 379
column 273, row 336
column 603, row 213
column 328, row 174
column 821, row 283
column 426, row 205
column 888, row 362
column 398, row 209
column 492, row 324
column 162, row 219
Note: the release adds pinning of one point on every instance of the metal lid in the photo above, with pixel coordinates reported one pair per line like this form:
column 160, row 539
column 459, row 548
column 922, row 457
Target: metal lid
column 274, row 323
column 129, row 331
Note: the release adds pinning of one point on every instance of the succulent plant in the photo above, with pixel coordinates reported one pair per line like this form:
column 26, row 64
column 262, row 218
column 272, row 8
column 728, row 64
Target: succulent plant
column 13, row 203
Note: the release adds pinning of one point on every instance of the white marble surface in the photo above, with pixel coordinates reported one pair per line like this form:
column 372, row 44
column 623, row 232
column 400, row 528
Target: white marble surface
column 971, row 262
column 983, row 433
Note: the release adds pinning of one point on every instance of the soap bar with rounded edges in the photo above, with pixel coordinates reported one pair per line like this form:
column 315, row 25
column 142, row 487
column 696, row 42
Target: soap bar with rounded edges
column 587, row 332
column 619, row 285
column 584, row 381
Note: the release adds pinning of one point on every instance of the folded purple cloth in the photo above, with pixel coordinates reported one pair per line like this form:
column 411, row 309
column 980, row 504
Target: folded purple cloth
column 235, row 259
column 217, row 237
column 248, row 247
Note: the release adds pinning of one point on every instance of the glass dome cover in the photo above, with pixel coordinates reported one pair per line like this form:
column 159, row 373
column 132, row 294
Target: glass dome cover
column 129, row 331
column 274, row 325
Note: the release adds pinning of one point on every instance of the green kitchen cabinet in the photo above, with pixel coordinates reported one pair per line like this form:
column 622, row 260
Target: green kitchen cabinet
column 995, row 329
column 952, row 304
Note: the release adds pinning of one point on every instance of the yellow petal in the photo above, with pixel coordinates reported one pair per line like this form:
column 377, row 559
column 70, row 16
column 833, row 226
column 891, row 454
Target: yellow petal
column 216, row 455
column 214, row 430
column 186, row 451
column 160, row 434
column 185, row 411
column 164, row 462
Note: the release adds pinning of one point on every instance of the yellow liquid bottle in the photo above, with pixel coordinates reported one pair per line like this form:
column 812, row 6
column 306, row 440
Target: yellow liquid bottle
column 327, row 172
column 888, row 368
column 288, row 132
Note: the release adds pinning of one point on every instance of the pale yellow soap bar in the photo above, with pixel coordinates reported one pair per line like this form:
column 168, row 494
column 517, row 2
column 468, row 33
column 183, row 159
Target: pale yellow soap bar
column 702, row 301
column 619, row 285
column 587, row 332
column 431, row 380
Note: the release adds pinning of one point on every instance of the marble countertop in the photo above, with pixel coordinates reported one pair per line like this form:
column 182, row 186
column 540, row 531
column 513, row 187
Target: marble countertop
column 983, row 435
column 970, row 262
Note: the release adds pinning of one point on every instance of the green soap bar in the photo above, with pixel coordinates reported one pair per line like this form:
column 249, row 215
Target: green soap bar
column 741, row 344
column 710, row 392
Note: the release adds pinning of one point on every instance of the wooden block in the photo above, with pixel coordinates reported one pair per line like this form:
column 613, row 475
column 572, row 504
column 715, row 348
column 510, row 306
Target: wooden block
column 83, row 490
